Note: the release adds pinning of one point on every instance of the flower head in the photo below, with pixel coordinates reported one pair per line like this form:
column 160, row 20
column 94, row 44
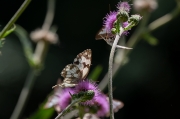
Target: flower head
column 103, row 105
column 65, row 98
column 124, row 25
column 123, row 6
column 85, row 86
column 109, row 21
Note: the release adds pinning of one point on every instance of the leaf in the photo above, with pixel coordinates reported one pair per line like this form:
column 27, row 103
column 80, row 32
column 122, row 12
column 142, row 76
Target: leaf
column 95, row 73
column 9, row 31
column 150, row 39
column 26, row 44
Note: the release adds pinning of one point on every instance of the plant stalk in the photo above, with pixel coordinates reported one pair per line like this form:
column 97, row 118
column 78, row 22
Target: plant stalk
column 111, row 58
column 14, row 18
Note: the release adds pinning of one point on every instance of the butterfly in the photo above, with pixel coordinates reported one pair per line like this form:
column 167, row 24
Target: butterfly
column 108, row 37
column 77, row 71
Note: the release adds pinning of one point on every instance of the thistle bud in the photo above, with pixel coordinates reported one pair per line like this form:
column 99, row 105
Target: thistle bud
column 133, row 21
column 123, row 6
column 113, row 31
column 122, row 16
column 83, row 95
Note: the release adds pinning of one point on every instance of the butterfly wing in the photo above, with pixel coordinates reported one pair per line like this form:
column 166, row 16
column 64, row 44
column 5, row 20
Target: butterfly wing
column 83, row 62
column 103, row 34
column 54, row 99
column 117, row 105
column 71, row 71
column 108, row 37
column 71, row 74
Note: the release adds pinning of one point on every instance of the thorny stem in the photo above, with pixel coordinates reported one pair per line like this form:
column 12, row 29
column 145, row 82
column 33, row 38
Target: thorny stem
column 14, row 18
column 111, row 57
column 67, row 108
column 38, row 58
column 134, row 39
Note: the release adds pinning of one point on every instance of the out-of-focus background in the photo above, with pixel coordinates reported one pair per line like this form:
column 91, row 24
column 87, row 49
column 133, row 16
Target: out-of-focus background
column 149, row 84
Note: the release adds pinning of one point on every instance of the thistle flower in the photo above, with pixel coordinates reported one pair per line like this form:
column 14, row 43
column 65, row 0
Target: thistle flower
column 85, row 86
column 109, row 21
column 65, row 98
column 124, row 25
column 123, row 6
column 103, row 105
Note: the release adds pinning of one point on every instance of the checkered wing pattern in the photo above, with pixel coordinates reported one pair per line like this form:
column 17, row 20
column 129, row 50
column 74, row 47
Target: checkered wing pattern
column 72, row 73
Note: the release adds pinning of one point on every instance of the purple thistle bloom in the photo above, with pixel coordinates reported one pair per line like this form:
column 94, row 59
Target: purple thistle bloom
column 85, row 86
column 109, row 21
column 124, row 6
column 65, row 98
column 103, row 105
column 124, row 25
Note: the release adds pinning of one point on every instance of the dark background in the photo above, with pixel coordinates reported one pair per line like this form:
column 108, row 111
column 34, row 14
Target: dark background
column 148, row 84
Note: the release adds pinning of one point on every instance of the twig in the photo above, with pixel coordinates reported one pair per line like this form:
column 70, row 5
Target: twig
column 111, row 57
column 14, row 18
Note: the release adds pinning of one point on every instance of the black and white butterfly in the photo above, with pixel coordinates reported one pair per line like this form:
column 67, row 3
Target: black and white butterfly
column 77, row 71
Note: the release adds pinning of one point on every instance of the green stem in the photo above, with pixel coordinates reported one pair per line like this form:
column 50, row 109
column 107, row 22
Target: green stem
column 14, row 18
column 111, row 57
